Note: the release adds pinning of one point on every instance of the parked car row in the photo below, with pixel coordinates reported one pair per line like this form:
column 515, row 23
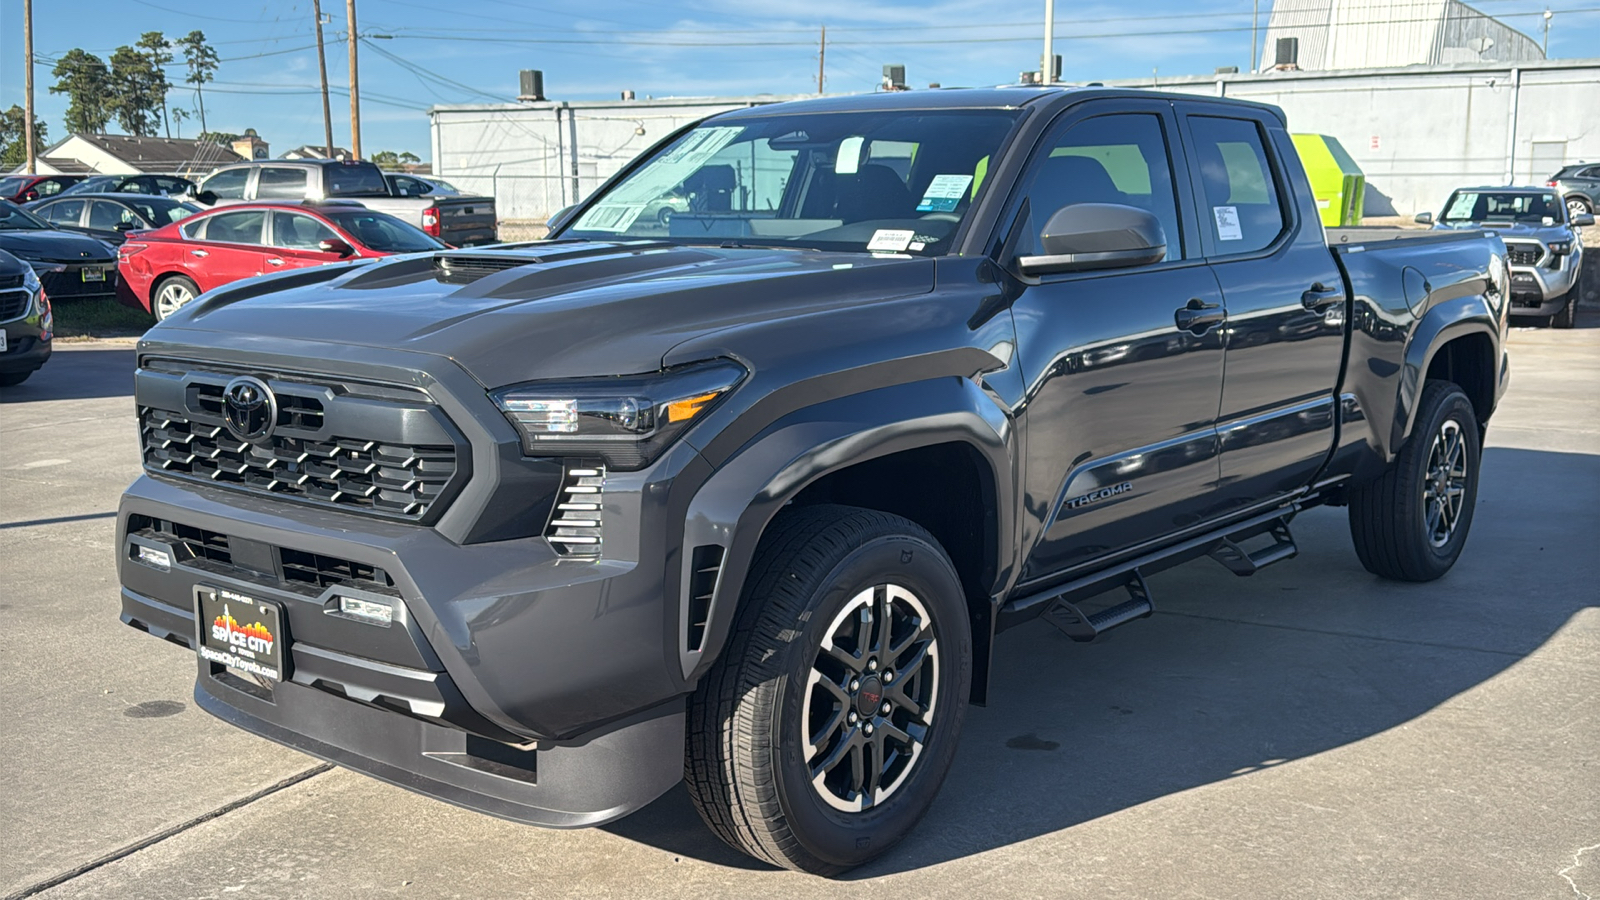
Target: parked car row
column 29, row 188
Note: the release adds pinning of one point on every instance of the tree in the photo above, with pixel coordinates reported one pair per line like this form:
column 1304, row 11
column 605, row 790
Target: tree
column 138, row 89
column 178, row 114
column 13, row 137
column 159, row 49
column 202, row 61
column 391, row 161
column 86, row 81
column 225, row 138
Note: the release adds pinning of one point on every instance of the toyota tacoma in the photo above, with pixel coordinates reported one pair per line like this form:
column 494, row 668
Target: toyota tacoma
column 743, row 496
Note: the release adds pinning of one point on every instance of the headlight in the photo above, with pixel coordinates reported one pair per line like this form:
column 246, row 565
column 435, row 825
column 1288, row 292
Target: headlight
column 30, row 279
column 1558, row 248
column 625, row 421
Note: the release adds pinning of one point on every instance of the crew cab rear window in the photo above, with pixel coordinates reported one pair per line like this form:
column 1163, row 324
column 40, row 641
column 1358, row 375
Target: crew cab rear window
column 1243, row 212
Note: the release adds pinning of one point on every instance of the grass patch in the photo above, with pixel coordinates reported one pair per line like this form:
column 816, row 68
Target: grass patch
column 99, row 319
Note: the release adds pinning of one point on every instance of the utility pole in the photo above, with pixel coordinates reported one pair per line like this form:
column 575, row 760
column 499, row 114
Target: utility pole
column 355, row 85
column 822, row 56
column 322, row 68
column 1255, row 14
column 27, row 63
column 1047, row 63
column 1546, row 47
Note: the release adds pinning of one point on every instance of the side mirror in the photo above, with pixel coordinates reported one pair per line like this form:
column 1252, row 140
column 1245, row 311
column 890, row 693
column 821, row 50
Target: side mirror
column 560, row 214
column 336, row 246
column 209, row 198
column 1423, row 218
column 124, row 227
column 1583, row 220
column 1086, row 236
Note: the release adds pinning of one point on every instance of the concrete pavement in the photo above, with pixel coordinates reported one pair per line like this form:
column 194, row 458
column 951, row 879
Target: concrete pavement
column 1309, row 732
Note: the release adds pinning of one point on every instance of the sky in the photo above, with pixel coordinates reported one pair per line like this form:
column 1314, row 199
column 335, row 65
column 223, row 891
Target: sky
column 416, row 53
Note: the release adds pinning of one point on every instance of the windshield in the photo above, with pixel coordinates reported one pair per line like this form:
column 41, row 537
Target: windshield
column 355, row 180
column 162, row 212
column 9, row 186
column 443, row 187
column 97, row 185
column 898, row 182
column 380, row 232
column 1503, row 206
column 15, row 218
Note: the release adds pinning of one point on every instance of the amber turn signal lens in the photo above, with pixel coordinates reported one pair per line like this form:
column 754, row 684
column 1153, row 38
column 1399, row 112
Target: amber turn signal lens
column 684, row 410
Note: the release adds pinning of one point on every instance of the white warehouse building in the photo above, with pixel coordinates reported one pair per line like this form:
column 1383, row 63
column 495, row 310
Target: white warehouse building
column 1365, row 34
column 1417, row 131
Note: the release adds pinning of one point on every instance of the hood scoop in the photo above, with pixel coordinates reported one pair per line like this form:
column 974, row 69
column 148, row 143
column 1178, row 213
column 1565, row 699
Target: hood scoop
column 452, row 269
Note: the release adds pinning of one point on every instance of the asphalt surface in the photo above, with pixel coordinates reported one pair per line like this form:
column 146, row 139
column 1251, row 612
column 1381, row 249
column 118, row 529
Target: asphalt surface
column 1311, row 732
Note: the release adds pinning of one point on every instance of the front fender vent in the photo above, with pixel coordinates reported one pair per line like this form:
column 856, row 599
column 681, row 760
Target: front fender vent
column 575, row 523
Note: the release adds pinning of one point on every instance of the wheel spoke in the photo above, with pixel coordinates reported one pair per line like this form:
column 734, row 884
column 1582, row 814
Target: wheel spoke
column 854, row 662
column 1435, row 511
column 872, row 761
column 829, row 728
column 858, row 774
column 887, row 730
column 820, row 768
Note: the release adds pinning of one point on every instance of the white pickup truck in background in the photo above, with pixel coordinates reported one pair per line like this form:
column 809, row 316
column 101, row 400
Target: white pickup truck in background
column 456, row 220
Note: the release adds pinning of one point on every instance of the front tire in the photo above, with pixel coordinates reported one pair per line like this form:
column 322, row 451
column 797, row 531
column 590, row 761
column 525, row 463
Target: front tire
column 1411, row 523
column 1567, row 315
column 822, row 734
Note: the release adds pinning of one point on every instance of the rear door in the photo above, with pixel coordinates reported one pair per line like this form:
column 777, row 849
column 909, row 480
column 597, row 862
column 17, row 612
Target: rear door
column 1124, row 366
column 65, row 213
column 1286, row 304
column 229, row 185
column 281, row 183
column 231, row 246
column 295, row 241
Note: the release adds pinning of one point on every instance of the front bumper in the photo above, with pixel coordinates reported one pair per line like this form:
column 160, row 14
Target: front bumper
column 1541, row 291
column 65, row 280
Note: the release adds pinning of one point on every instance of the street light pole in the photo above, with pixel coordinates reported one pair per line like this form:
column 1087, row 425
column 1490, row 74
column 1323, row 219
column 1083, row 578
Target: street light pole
column 27, row 63
column 322, row 68
column 1546, row 47
column 1047, row 62
column 1255, row 16
column 355, row 84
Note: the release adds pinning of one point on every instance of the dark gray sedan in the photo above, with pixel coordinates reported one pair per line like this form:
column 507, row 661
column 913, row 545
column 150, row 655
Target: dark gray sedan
column 109, row 217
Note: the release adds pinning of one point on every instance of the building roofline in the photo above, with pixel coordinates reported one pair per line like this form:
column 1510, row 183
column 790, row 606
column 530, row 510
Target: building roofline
column 1316, row 74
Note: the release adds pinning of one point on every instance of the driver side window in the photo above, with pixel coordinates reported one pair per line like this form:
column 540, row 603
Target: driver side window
column 1120, row 159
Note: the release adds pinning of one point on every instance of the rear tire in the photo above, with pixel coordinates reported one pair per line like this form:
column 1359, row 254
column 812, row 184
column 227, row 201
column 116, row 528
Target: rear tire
column 171, row 294
column 1411, row 523
column 1579, row 206
column 850, row 656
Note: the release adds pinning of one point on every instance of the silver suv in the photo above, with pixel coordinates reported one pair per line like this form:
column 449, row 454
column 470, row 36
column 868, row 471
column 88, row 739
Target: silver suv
column 1543, row 244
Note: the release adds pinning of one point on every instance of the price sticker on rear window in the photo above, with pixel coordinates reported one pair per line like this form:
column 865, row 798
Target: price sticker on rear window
column 893, row 240
column 1227, row 223
column 944, row 193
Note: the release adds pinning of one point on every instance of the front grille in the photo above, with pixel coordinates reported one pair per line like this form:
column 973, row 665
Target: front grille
column 298, row 570
column 378, row 449
column 1523, row 254
column 575, row 524
column 467, row 269
column 343, row 472
column 7, row 282
column 14, row 305
column 71, row 284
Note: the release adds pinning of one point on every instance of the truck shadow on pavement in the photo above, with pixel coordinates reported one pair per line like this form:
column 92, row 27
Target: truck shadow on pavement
column 1232, row 676
column 77, row 375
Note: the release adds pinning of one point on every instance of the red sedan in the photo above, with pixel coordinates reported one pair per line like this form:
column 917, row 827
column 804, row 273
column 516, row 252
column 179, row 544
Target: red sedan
column 165, row 268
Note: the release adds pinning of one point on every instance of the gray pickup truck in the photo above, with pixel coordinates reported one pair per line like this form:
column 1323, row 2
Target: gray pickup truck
column 1544, row 244
column 743, row 496
column 456, row 220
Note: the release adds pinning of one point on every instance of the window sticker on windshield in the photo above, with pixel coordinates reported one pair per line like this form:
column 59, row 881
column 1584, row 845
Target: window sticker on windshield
column 611, row 217
column 893, row 240
column 944, row 193
column 1227, row 223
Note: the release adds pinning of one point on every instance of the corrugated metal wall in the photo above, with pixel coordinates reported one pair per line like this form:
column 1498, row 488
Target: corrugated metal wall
column 1369, row 34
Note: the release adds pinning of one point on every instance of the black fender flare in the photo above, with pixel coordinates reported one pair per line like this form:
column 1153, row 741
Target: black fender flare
column 1441, row 324
column 734, row 506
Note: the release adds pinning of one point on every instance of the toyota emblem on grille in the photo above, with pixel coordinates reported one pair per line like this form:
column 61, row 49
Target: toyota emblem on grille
column 249, row 408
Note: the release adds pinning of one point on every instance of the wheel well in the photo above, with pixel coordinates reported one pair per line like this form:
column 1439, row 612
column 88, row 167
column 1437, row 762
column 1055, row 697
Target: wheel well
column 1469, row 362
column 947, row 489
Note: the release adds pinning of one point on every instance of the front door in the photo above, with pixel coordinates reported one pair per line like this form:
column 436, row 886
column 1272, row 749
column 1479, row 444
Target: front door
column 1124, row 367
column 297, row 242
column 1285, row 297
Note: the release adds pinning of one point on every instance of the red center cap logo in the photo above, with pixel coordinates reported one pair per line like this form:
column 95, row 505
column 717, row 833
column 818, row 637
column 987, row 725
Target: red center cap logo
column 870, row 695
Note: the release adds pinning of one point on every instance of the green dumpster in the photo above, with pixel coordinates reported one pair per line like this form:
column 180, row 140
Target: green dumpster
column 1336, row 180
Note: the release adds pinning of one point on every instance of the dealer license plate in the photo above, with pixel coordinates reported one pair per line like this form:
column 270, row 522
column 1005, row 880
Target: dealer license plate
column 242, row 633
column 2, row 340
column 94, row 274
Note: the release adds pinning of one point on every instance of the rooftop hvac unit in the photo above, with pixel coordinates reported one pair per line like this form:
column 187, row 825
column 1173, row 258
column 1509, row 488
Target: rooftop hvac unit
column 1288, row 52
column 532, row 85
column 894, row 78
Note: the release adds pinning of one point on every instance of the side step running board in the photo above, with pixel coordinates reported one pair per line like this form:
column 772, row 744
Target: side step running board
column 1081, row 626
column 1243, row 563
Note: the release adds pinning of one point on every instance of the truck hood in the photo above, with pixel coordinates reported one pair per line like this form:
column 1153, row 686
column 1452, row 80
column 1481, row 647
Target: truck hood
column 555, row 310
column 1511, row 229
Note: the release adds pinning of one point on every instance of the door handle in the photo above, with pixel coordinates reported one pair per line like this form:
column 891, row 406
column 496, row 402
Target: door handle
column 274, row 261
column 1319, row 298
column 1198, row 316
column 200, row 253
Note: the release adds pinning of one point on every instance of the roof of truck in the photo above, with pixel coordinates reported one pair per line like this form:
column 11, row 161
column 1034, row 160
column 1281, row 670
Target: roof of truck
column 1004, row 97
